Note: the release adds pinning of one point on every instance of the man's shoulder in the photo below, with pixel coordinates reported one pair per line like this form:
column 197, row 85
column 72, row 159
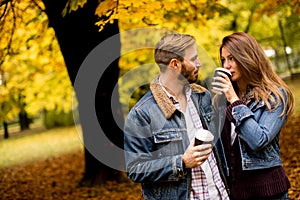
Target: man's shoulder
column 146, row 99
column 198, row 88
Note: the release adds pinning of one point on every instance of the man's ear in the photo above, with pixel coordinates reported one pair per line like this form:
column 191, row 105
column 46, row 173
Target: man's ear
column 175, row 64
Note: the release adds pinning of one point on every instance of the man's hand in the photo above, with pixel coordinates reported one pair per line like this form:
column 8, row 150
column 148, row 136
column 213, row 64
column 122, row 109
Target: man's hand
column 194, row 156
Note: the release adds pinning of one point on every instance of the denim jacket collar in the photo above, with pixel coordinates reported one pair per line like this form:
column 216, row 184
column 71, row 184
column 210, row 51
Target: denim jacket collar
column 162, row 99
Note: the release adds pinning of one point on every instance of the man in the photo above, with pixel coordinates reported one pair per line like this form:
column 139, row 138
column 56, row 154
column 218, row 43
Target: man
column 159, row 129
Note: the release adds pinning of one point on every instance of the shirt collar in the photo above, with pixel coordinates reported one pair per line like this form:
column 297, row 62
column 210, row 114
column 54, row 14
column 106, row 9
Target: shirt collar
column 162, row 99
column 188, row 92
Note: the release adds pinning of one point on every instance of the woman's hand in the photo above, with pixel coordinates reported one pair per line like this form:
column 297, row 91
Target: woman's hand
column 222, row 84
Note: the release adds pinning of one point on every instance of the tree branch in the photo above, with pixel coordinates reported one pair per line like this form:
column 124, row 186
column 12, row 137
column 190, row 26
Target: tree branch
column 37, row 5
column 4, row 2
column 4, row 11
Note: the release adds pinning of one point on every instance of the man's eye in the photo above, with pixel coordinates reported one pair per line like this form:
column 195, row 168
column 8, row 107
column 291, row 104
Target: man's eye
column 194, row 59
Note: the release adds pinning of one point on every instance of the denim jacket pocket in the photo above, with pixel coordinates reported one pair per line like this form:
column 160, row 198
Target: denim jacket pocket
column 264, row 158
column 167, row 135
column 169, row 142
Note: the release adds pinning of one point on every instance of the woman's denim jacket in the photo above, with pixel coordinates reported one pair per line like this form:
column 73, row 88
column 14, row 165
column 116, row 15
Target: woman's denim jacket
column 258, row 132
column 155, row 139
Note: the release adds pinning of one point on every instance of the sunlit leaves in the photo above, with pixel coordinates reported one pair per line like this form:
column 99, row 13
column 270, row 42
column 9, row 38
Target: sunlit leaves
column 156, row 12
column 36, row 75
column 271, row 7
column 73, row 5
column 35, row 61
column 106, row 8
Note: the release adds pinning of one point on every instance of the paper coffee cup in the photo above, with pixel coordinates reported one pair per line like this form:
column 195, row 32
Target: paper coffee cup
column 220, row 69
column 203, row 136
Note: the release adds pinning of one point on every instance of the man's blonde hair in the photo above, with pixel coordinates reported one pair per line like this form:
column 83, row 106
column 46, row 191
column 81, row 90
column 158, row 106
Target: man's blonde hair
column 172, row 46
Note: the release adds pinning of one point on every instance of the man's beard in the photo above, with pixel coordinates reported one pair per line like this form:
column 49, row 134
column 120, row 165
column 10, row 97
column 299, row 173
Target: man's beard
column 186, row 75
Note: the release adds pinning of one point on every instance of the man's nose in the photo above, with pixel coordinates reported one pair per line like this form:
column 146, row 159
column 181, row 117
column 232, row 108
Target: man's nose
column 198, row 64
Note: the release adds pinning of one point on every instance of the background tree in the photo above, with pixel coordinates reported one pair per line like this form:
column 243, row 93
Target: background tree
column 287, row 16
column 77, row 35
column 273, row 23
column 29, row 74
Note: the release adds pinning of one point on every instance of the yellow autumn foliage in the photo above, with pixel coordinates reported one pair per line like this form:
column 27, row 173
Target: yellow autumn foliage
column 35, row 71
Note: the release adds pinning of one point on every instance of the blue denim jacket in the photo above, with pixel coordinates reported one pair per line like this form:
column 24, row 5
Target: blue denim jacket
column 155, row 139
column 258, row 132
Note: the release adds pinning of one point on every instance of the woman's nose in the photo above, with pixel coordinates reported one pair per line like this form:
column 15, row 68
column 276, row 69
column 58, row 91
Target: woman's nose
column 226, row 64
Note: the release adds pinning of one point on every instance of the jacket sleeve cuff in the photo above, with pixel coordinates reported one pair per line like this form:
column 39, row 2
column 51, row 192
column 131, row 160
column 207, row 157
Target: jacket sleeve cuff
column 180, row 167
column 229, row 109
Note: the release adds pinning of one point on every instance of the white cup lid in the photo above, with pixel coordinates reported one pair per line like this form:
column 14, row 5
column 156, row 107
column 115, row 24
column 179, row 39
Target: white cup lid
column 204, row 135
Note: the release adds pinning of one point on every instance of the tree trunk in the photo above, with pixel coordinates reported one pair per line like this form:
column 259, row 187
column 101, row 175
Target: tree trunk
column 78, row 35
column 24, row 121
column 286, row 55
column 5, row 128
column 252, row 11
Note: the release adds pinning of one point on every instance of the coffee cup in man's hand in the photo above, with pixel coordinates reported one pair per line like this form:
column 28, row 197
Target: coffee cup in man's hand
column 203, row 136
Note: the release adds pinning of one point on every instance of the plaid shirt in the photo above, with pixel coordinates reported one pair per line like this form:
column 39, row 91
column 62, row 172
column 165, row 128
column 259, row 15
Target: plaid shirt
column 199, row 186
column 199, row 189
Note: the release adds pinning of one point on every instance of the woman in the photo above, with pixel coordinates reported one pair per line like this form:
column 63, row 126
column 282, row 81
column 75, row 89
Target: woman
column 259, row 103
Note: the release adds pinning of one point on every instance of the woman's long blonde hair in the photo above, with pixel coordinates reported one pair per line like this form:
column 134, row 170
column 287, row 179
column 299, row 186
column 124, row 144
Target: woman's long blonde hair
column 257, row 71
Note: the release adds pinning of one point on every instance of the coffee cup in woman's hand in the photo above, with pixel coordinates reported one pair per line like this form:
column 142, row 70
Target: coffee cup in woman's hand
column 225, row 71
column 216, row 85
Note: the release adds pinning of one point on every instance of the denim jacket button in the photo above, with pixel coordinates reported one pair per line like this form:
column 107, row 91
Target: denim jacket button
column 246, row 165
column 179, row 172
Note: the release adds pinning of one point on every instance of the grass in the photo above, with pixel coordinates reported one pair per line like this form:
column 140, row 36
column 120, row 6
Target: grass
column 38, row 144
